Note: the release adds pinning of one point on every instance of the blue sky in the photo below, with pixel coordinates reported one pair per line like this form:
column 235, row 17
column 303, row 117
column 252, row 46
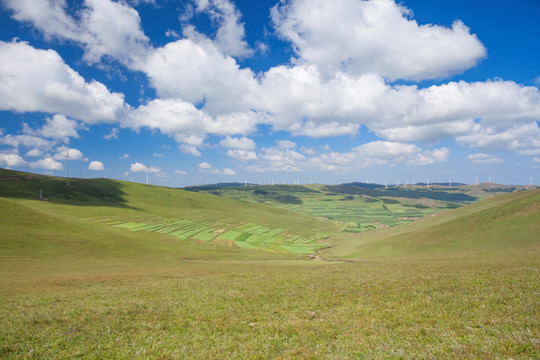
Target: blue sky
column 204, row 91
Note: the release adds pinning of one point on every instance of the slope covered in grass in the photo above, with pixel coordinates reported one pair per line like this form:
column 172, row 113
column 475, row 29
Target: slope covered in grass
column 510, row 221
column 155, row 220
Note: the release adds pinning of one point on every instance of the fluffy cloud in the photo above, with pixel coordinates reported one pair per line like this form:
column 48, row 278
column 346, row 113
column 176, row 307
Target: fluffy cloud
column 48, row 164
column 10, row 160
column 523, row 139
column 228, row 171
column 286, row 144
column 205, row 167
column 370, row 154
column 42, row 140
column 481, row 158
column 49, row 17
column 187, row 124
column 242, row 143
column 199, row 72
column 104, row 27
column 34, row 153
column 280, row 158
column 112, row 135
column 140, row 167
column 385, row 152
column 39, row 80
column 242, row 149
column 302, row 102
column 112, row 29
column 96, row 166
column 230, row 35
column 29, row 141
column 57, row 127
column 74, row 154
column 360, row 37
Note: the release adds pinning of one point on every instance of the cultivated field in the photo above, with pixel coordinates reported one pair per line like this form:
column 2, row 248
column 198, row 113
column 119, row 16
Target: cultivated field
column 360, row 207
column 108, row 269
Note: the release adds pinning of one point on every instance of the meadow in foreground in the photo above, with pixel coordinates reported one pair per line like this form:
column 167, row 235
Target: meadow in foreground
column 413, row 308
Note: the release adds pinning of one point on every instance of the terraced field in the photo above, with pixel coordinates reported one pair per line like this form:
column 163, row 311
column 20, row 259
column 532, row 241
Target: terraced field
column 226, row 233
column 355, row 213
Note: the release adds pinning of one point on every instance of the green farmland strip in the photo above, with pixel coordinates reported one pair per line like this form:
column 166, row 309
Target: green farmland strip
column 205, row 235
column 230, row 235
column 247, row 236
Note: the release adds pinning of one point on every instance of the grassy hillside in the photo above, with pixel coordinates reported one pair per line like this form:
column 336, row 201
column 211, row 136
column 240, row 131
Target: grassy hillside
column 509, row 221
column 181, row 221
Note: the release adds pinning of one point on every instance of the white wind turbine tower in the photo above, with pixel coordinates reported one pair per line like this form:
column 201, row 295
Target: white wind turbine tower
column 146, row 173
column 67, row 166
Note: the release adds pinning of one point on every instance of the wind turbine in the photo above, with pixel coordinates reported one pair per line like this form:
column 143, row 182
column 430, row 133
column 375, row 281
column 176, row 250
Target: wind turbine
column 67, row 166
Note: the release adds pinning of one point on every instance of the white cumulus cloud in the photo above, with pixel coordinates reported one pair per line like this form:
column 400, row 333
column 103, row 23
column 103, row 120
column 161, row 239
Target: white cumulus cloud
column 360, row 37
column 481, row 158
column 39, row 80
column 230, row 36
column 140, row 167
column 96, row 166
column 205, row 167
column 103, row 28
column 10, row 160
column 48, row 164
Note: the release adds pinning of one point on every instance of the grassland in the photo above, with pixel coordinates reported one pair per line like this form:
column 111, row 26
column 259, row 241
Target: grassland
column 425, row 308
column 106, row 269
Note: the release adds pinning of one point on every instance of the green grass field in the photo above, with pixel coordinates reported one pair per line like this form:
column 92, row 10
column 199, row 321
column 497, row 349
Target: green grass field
column 107, row 269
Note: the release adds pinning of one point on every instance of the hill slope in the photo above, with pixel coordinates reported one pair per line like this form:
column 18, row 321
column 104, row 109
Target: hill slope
column 109, row 218
column 510, row 221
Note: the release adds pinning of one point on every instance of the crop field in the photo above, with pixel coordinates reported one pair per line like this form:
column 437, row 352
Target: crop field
column 245, row 236
column 356, row 213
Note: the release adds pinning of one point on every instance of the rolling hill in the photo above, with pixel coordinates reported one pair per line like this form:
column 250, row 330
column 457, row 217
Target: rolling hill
column 503, row 222
column 109, row 218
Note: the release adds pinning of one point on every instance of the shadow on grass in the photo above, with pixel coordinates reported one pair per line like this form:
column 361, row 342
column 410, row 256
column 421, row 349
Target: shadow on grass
column 80, row 192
